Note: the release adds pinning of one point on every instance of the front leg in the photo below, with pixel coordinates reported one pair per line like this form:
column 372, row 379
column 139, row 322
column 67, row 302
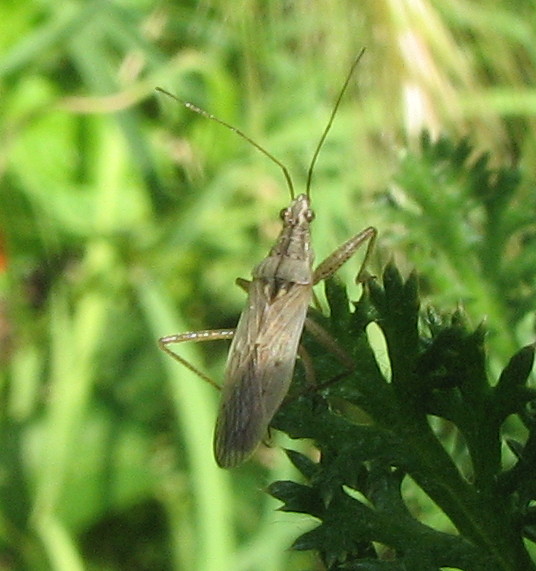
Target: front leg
column 343, row 253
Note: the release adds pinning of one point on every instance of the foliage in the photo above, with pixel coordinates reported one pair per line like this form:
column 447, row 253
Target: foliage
column 437, row 376
column 472, row 237
column 124, row 217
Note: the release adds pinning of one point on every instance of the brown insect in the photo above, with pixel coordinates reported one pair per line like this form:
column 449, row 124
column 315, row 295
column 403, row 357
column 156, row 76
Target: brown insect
column 265, row 343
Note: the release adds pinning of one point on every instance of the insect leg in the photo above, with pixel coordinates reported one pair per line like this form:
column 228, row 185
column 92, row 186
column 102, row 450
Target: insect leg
column 343, row 253
column 327, row 340
column 242, row 283
column 308, row 366
column 196, row 336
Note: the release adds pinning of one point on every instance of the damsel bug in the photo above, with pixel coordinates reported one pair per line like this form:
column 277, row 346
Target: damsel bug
column 265, row 343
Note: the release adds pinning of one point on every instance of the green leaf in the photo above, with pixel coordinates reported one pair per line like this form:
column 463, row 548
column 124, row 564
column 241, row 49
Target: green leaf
column 373, row 435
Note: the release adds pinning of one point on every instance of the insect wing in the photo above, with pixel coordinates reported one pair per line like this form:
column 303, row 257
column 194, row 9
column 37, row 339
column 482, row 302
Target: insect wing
column 259, row 369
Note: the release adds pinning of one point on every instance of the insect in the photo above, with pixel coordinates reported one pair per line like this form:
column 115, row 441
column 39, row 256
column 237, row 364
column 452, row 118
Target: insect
column 265, row 344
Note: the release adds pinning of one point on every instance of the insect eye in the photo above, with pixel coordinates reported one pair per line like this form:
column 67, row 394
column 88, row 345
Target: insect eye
column 282, row 213
column 310, row 216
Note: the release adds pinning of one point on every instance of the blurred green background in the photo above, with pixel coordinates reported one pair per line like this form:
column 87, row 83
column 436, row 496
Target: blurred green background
column 125, row 217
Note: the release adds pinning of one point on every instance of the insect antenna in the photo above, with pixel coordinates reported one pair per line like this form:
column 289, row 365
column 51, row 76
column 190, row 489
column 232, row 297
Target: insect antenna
column 330, row 122
column 240, row 133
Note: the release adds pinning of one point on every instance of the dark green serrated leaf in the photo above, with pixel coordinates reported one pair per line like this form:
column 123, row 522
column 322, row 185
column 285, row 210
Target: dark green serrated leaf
column 364, row 313
column 302, row 419
column 515, row 447
column 377, row 295
column 508, row 397
column 355, row 489
column 375, row 565
column 331, row 537
column 397, row 308
column 338, row 302
column 303, row 463
column 296, row 498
